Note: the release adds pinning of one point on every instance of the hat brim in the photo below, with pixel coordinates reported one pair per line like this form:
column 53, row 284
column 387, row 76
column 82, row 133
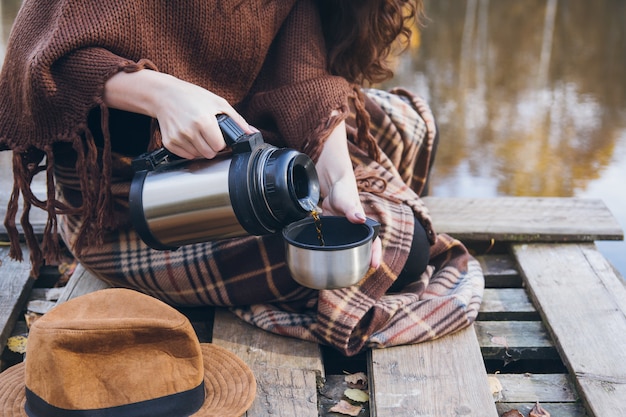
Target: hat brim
column 229, row 386
column 12, row 392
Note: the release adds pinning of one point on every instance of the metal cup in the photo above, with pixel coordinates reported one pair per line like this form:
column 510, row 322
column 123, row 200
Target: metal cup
column 342, row 261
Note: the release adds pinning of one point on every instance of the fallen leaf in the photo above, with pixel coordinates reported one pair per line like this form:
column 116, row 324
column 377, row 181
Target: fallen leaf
column 538, row 411
column 344, row 407
column 512, row 413
column 17, row 344
column 66, row 269
column 500, row 340
column 30, row 318
column 495, row 386
column 358, row 380
column 357, row 395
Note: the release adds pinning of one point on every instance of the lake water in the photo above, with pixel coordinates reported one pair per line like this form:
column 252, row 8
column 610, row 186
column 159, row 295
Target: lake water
column 530, row 98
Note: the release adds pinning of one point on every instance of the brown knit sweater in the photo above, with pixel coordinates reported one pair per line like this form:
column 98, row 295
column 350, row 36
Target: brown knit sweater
column 267, row 58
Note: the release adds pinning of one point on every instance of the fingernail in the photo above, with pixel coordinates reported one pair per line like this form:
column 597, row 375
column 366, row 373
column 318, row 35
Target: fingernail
column 360, row 216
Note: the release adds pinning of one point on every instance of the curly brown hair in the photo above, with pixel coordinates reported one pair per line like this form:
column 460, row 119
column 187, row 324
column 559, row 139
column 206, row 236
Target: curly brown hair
column 361, row 34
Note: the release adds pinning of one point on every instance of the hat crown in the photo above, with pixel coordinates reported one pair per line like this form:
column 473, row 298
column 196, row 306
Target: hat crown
column 111, row 348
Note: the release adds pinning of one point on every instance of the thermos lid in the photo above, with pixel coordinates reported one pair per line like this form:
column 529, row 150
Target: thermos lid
column 291, row 185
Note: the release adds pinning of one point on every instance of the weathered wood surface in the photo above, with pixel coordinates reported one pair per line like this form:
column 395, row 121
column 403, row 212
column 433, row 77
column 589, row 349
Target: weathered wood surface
column 15, row 286
column 583, row 303
column 81, row 282
column 556, row 393
column 287, row 371
column 500, row 271
column 505, row 340
column 524, row 219
column 507, row 304
column 514, row 340
column 448, row 376
column 444, row 377
column 545, row 388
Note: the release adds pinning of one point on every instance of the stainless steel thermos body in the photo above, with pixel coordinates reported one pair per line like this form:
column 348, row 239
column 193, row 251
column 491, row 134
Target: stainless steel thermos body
column 256, row 189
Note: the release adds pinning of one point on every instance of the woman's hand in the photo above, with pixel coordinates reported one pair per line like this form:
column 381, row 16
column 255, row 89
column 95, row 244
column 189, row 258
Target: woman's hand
column 338, row 184
column 185, row 112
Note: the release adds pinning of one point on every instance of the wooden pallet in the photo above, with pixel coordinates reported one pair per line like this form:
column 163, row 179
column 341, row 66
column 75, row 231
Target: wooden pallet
column 552, row 327
column 520, row 356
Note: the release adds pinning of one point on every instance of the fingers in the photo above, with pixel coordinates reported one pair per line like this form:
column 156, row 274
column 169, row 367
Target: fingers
column 343, row 205
column 241, row 122
column 187, row 120
column 191, row 138
column 377, row 253
column 201, row 138
column 356, row 214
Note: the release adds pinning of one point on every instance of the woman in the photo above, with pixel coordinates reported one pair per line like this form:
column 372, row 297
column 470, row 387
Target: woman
column 90, row 85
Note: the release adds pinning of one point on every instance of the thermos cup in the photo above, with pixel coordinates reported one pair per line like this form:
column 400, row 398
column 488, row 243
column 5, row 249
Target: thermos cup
column 333, row 253
column 255, row 189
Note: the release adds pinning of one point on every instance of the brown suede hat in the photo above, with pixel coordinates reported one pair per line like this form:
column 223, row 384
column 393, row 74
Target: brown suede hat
column 120, row 353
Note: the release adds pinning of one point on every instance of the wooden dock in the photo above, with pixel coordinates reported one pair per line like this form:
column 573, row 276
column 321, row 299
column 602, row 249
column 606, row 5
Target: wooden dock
column 551, row 329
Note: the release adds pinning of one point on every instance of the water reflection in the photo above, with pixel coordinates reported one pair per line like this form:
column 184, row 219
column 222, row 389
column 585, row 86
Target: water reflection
column 530, row 98
column 529, row 95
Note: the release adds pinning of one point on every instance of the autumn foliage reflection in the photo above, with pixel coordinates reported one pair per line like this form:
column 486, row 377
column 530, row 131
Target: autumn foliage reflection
column 528, row 94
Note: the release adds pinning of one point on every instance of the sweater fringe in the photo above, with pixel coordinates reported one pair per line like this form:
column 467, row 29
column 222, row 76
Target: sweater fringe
column 97, row 203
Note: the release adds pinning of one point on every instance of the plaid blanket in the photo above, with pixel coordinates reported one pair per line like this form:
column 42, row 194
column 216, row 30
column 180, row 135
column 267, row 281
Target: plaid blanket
column 249, row 274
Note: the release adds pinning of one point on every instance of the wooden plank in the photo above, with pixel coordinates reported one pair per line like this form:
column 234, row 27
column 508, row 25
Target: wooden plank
column 556, row 393
column 48, row 294
column 527, row 219
column 506, row 304
column 530, row 388
column 40, row 306
column 444, row 377
column 15, row 286
column 498, row 264
column 515, row 219
column 583, row 303
column 515, row 340
column 287, row 370
column 500, row 271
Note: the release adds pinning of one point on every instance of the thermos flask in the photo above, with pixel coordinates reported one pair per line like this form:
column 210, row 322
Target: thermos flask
column 255, row 189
